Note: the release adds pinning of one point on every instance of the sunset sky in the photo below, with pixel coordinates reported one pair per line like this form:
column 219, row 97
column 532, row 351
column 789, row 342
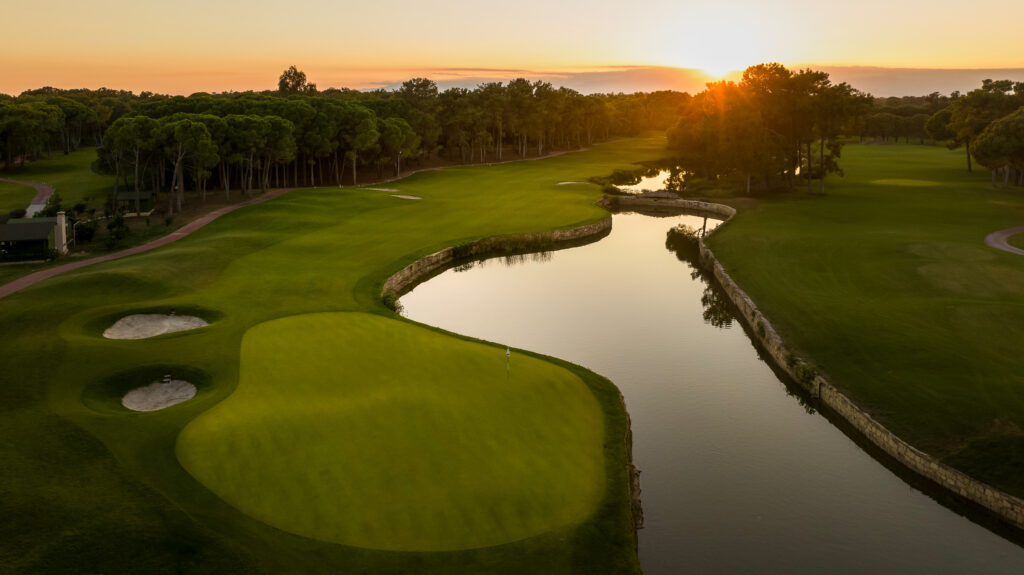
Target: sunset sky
column 218, row 45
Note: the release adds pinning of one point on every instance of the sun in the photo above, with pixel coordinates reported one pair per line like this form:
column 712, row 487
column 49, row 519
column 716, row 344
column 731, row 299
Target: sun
column 717, row 39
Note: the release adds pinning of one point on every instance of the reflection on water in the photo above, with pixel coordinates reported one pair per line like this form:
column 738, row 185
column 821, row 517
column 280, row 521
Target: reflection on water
column 509, row 260
column 682, row 240
column 738, row 476
column 650, row 180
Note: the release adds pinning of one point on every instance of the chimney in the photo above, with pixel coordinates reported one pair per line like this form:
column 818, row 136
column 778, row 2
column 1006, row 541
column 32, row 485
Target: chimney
column 60, row 237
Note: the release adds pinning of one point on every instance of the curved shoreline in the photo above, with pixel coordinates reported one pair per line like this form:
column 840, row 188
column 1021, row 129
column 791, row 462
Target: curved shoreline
column 429, row 266
column 1004, row 506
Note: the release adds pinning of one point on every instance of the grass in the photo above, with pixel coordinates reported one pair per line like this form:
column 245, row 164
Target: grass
column 14, row 196
column 69, row 175
column 1016, row 240
column 444, row 463
column 886, row 284
column 90, row 487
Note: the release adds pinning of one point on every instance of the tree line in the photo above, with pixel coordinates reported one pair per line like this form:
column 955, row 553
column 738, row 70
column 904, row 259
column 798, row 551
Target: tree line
column 771, row 129
column 776, row 127
column 301, row 136
column 989, row 123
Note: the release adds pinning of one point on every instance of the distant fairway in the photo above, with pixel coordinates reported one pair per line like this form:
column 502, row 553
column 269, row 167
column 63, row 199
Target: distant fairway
column 366, row 431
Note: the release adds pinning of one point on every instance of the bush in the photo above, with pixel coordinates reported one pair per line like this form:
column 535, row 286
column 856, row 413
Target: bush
column 85, row 232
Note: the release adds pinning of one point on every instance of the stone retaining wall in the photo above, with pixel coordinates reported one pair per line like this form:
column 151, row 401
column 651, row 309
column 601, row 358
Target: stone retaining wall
column 433, row 264
column 1004, row 505
column 430, row 265
column 659, row 202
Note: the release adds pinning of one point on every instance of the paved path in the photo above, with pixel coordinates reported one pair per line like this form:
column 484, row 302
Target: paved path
column 998, row 240
column 43, row 193
column 22, row 283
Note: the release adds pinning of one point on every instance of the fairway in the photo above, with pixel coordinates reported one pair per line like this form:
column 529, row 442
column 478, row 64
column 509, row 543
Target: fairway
column 327, row 431
column 355, row 429
column 886, row 284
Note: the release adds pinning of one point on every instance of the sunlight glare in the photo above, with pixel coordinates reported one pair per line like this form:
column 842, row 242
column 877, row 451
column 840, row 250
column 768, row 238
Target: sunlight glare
column 718, row 39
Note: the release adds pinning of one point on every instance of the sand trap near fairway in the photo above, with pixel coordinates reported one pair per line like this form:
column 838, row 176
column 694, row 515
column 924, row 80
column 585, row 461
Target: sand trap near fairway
column 141, row 326
column 405, row 197
column 568, row 183
column 159, row 395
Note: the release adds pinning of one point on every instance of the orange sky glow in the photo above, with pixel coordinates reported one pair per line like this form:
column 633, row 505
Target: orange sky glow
column 224, row 45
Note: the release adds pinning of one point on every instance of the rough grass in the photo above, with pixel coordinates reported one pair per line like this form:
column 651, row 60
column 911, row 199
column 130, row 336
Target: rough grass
column 91, row 488
column 1016, row 240
column 14, row 196
column 887, row 285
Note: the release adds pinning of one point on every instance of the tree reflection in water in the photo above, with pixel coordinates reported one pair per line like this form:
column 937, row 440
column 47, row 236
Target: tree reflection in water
column 682, row 240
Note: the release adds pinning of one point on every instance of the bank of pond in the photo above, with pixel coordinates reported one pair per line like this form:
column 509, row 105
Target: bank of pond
column 731, row 458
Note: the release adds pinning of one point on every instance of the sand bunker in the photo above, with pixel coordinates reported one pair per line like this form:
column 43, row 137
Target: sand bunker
column 158, row 395
column 567, row 183
column 404, row 197
column 141, row 326
column 382, row 189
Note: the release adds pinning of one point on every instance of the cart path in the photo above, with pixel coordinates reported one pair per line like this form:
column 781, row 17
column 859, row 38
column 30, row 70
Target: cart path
column 31, row 279
column 998, row 240
column 43, row 193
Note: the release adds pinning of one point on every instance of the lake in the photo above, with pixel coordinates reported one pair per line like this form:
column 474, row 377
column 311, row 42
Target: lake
column 739, row 475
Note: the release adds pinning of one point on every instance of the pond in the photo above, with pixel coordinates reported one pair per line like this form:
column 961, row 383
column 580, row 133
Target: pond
column 738, row 474
column 650, row 180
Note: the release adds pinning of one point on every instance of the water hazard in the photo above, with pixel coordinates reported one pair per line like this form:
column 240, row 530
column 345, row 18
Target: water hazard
column 738, row 475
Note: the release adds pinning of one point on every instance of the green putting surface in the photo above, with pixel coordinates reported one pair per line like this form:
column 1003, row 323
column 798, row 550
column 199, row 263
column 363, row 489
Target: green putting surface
column 357, row 429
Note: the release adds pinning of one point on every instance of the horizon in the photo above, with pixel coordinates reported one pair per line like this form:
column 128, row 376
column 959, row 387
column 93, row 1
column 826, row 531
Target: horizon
column 879, row 81
column 234, row 47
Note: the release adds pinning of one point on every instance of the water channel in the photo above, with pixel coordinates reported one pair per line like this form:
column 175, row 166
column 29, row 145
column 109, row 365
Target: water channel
column 738, row 475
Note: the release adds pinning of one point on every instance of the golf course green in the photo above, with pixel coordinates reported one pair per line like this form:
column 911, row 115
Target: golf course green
column 491, row 456
column 326, row 430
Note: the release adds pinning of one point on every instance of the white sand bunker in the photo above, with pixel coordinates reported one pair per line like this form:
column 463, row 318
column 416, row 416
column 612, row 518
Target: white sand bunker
column 158, row 395
column 567, row 183
column 382, row 189
column 141, row 326
column 404, row 197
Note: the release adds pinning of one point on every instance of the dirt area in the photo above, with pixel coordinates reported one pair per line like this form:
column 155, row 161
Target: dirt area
column 159, row 395
column 141, row 326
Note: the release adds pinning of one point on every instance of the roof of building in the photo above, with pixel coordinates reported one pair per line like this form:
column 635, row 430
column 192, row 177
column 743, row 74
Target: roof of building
column 25, row 232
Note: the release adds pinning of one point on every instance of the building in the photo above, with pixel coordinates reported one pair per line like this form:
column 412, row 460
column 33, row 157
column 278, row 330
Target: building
column 33, row 238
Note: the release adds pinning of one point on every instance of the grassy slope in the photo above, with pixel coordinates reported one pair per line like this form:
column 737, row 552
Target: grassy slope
column 14, row 196
column 887, row 285
column 70, row 175
column 96, row 489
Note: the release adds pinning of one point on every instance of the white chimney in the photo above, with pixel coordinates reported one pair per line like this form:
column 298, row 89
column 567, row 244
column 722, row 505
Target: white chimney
column 60, row 237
